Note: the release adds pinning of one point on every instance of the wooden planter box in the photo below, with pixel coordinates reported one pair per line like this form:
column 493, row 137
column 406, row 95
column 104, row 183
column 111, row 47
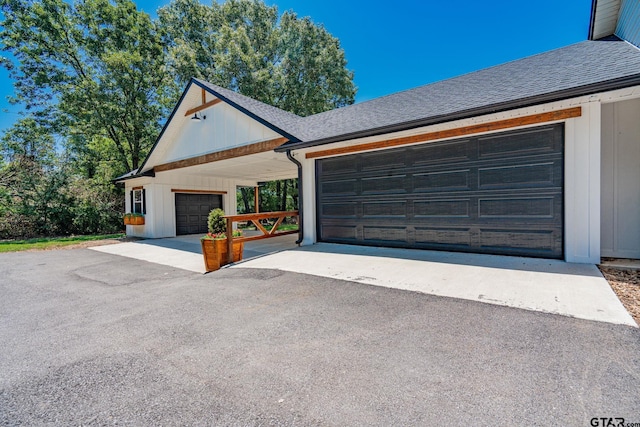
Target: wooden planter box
column 133, row 220
column 215, row 253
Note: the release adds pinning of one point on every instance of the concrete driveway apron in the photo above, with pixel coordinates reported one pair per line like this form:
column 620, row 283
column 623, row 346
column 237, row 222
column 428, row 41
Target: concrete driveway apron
column 550, row 286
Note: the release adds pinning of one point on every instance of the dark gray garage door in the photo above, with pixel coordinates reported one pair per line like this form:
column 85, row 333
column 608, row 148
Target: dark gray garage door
column 192, row 211
column 499, row 194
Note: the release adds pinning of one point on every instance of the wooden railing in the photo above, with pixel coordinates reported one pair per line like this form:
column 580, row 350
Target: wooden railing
column 255, row 219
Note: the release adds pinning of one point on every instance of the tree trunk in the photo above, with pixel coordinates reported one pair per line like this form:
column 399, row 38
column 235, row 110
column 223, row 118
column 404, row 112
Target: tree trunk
column 294, row 193
column 245, row 199
column 283, row 205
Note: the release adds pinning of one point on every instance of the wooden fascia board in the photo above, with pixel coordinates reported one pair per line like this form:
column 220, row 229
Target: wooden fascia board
column 178, row 190
column 202, row 107
column 551, row 116
column 245, row 150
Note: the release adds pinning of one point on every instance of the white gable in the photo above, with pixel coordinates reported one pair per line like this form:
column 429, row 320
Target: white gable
column 221, row 127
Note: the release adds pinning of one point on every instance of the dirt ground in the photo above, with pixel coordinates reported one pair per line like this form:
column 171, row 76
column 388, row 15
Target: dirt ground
column 626, row 284
column 89, row 243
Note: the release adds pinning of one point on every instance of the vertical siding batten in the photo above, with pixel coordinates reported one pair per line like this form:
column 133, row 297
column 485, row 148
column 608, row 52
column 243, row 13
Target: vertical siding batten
column 628, row 27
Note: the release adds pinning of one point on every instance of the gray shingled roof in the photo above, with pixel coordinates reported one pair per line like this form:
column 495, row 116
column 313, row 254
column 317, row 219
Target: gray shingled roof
column 574, row 70
column 579, row 69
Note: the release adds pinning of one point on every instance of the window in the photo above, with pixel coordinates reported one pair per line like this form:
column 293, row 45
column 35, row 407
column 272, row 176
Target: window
column 137, row 201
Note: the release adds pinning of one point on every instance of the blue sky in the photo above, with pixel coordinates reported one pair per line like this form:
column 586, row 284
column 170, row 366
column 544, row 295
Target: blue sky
column 393, row 46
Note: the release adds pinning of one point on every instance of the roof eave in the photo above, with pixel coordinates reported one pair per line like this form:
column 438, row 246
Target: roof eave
column 592, row 19
column 474, row 112
column 243, row 110
column 150, row 173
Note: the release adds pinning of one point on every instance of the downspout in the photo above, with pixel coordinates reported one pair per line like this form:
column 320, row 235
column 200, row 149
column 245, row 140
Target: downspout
column 301, row 212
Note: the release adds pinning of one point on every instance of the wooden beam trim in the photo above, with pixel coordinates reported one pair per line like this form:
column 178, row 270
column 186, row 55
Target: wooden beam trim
column 245, row 150
column 177, row 190
column 138, row 188
column 202, row 107
column 551, row 116
column 204, row 96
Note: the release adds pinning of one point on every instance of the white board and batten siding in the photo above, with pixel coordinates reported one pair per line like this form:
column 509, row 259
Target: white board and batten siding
column 606, row 18
column 621, row 179
column 160, row 219
column 224, row 128
column 628, row 27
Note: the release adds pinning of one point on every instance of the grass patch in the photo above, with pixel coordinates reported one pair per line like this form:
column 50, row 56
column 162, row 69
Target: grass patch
column 51, row 242
column 288, row 227
column 281, row 227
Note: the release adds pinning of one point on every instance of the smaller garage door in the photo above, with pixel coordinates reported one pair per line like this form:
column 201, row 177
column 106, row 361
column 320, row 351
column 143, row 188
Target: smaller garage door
column 192, row 211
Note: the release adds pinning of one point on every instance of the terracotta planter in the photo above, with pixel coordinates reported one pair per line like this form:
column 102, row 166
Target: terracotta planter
column 215, row 253
column 127, row 220
column 137, row 220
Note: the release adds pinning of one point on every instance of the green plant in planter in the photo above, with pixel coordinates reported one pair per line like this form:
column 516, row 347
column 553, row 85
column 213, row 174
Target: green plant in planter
column 216, row 223
column 217, row 226
column 214, row 244
column 220, row 236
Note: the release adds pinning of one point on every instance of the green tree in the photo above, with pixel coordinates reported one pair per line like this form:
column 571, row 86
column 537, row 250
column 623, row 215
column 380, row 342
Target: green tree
column 92, row 67
column 32, row 196
column 99, row 77
column 242, row 45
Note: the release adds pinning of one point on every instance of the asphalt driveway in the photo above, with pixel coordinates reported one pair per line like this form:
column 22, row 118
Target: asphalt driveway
column 89, row 338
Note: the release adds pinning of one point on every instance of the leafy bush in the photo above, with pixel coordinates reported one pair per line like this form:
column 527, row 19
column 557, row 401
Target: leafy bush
column 216, row 222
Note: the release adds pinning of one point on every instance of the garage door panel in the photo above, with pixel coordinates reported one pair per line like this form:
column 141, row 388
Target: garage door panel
column 394, row 184
column 452, row 238
column 523, row 175
column 540, row 207
column 442, row 181
column 377, row 161
column 442, row 208
column 500, row 194
column 385, row 234
column 541, row 240
column 339, row 210
column 384, row 209
column 339, row 165
column 340, row 232
column 437, row 154
column 522, row 143
column 339, row 187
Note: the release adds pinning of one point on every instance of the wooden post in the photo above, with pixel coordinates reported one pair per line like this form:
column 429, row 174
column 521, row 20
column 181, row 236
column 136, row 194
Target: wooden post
column 256, row 192
column 229, row 240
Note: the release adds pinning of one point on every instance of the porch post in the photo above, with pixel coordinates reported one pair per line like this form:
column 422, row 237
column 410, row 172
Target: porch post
column 229, row 240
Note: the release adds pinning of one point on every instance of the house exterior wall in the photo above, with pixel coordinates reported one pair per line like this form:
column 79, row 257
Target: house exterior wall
column 224, row 128
column 582, row 169
column 160, row 219
column 628, row 27
column 606, row 16
column 621, row 179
